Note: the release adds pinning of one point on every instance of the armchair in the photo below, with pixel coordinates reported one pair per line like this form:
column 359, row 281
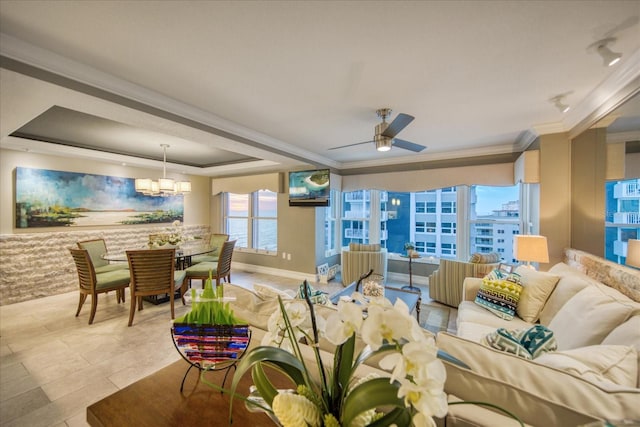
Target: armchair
column 360, row 258
column 445, row 284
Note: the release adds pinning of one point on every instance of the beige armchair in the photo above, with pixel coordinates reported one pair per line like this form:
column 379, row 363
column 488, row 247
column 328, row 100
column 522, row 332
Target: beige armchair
column 361, row 258
column 445, row 284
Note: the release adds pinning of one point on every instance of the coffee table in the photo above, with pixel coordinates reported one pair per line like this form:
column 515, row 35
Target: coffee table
column 156, row 401
column 409, row 297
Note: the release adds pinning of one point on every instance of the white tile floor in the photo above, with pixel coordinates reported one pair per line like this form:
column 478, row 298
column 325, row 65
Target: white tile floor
column 53, row 365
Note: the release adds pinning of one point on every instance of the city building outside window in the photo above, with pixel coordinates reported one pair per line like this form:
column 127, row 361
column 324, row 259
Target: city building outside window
column 622, row 217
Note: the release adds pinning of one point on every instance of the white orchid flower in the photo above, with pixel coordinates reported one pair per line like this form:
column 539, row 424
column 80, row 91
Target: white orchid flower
column 421, row 420
column 344, row 323
column 413, row 361
column 429, row 402
column 384, row 325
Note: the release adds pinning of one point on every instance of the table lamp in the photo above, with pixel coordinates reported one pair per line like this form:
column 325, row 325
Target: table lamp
column 633, row 253
column 530, row 248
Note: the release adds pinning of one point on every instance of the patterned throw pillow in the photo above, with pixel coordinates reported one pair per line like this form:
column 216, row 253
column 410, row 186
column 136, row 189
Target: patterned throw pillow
column 526, row 343
column 500, row 296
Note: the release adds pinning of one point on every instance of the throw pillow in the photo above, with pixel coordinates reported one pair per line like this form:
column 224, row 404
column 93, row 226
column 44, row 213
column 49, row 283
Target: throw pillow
column 589, row 316
column 500, row 296
column 527, row 343
column 478, row 258
column 536, row 288
column 269, row 292
column 597, row 363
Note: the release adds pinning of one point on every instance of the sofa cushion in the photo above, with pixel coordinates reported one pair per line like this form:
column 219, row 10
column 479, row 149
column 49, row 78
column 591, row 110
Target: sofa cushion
column 479, row 258
column 470, row 312
column 267, row 291
column 570, row 283
column 628, row 333
column 536, row 288
column 589, row 316
column 597, row 363
column 500, row 296
column 539, row 395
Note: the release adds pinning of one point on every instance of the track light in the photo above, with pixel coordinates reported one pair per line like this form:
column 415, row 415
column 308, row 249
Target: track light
column 609, row 57
column 561, row 106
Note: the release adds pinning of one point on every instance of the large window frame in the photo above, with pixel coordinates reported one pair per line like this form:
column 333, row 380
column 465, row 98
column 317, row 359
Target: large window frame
column 251, row 239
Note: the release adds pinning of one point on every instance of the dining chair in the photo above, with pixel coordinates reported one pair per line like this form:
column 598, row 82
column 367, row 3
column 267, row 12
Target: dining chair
column 153, row 273
column 220, row 270
column 92, row 283
column 97, row 248
column 215, row 241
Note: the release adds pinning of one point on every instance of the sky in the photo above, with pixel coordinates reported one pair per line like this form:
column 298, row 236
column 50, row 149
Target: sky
column 491, row 198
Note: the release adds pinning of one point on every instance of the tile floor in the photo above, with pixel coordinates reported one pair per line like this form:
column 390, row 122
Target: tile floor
column 53, row 365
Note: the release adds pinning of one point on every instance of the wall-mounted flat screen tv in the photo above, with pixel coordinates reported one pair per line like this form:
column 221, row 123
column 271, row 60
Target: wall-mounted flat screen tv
column 309, row 188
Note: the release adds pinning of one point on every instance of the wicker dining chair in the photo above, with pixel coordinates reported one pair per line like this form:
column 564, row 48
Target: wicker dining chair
column 153, row 273
column 220, row 270
column 92, row 283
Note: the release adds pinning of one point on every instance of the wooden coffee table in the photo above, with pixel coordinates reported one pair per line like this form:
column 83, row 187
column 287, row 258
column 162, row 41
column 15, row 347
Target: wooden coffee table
column 156, row 401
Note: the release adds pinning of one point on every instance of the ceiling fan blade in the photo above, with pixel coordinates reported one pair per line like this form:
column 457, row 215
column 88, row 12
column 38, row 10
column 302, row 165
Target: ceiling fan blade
column 350, row 145
column 399, row 123
column 411, row 146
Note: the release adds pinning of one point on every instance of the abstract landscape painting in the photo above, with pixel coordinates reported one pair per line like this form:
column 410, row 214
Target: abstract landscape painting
column 48, row 198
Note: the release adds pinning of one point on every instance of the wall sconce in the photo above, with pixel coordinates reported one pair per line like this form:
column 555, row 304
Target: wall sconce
column 395, row 202
column 633, row 253
column 530, row 248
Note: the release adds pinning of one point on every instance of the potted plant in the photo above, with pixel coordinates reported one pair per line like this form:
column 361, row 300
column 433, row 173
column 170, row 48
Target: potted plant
column 410, row 248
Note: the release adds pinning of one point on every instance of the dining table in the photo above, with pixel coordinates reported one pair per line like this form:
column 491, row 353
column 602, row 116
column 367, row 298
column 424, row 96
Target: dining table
column 184, row 253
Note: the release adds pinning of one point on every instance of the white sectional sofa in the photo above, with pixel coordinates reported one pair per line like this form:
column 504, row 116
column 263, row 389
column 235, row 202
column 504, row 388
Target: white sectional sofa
column 593, row 308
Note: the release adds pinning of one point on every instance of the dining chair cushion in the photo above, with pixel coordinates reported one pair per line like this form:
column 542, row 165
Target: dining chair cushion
column 96, row 249
column 202, row 269
column 197, row 259
column 178, row 277
column 111, row 279
column 111, row 267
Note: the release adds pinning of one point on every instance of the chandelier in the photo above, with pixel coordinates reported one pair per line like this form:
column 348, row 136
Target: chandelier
column 163, row 186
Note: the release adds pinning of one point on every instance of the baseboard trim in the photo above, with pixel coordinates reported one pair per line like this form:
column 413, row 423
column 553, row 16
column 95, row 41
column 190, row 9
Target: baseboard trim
column 251, row 268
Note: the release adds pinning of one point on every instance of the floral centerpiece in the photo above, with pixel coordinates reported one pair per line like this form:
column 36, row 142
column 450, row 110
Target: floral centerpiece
column 410, row 393
column 173, row 237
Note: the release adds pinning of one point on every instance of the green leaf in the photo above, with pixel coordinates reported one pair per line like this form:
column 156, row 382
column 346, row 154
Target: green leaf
column 263, row 384
column 398, row 416
column 370, row 395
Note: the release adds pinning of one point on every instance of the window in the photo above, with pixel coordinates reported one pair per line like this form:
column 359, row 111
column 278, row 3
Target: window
column 431, row 227
column 331, row 224
column 448, row 249
column 622, row 218
column 494, row 217
column 252, row 220
column 448, row 228
column 431, row 207
column 430, row 248
column 420, row 227
column 420, row 207
column 448, row 207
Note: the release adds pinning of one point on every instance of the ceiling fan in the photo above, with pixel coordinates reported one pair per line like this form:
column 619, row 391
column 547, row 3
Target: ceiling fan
column 385, row 133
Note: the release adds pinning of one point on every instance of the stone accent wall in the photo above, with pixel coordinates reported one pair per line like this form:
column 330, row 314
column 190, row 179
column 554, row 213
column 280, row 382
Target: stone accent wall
column 37, row 265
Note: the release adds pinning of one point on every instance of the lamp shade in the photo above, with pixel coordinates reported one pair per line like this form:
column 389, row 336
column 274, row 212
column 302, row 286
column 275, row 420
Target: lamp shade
column 633, row 253
column 530, row 248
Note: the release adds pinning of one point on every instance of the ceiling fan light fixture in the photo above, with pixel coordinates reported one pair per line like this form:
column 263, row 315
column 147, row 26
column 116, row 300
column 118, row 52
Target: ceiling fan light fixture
column 383, row 144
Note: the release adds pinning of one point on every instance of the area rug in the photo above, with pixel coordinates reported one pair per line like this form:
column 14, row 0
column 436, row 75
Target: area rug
column 434, row 318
